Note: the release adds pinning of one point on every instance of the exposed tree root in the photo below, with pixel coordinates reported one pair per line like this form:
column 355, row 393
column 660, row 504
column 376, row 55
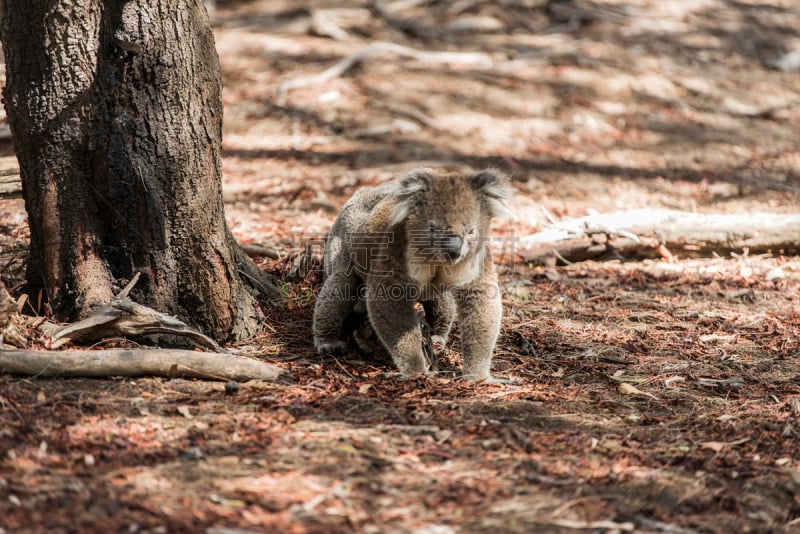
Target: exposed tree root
column 123, row 317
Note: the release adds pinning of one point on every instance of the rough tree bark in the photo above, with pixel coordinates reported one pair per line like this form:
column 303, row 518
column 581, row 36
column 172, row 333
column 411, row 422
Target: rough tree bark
column 116, row 112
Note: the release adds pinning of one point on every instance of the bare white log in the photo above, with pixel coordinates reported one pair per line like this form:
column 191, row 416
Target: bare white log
column 139, row 362
column 653, row 232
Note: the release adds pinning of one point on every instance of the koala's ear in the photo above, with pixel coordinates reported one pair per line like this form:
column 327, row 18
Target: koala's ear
column 492, row 187
column 411, row 186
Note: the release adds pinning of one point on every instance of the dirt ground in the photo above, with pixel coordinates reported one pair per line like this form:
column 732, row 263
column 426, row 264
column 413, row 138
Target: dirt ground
column 648, row 396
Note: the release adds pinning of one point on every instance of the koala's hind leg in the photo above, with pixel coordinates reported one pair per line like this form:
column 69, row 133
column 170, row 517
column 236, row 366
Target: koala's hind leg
column 480, row 310
column 396, row 322
column 335, row 302
column 440, row 312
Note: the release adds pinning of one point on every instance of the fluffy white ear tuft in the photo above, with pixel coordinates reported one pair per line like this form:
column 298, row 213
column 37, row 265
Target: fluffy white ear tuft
column 493, row 188
column 411, row 186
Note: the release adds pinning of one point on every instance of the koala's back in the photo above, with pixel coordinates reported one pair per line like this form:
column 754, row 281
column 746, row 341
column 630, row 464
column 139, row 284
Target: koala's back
column 356, row 212
column 356, row 219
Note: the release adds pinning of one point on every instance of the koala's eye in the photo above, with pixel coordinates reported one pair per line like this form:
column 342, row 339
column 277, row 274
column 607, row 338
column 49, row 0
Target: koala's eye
column 471, row 232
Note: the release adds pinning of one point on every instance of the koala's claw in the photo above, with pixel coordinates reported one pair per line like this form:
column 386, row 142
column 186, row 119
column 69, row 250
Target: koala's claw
column 331, row 348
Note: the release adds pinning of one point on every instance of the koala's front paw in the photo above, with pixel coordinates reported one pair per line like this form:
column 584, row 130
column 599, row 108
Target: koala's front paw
column 439, row 342
column 330, row 348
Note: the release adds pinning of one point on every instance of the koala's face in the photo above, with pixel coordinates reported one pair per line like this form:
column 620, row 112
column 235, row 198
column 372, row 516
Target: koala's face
column 447, row 215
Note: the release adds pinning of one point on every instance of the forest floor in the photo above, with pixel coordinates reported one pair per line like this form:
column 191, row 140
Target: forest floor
column 648, row 395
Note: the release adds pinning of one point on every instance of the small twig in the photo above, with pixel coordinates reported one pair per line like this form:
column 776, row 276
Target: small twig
column 599, row 228
column 407, row 26
column 200, row 374
column 558, row 255
column 549, row 216
column 321, row 24
column 124, row 293
column 416, row 115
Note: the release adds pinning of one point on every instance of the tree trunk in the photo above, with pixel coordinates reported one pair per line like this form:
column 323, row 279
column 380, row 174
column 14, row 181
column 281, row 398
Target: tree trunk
column 116, row 113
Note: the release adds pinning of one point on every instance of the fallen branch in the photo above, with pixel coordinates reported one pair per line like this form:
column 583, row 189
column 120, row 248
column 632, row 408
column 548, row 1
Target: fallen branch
column 376, row 49
column 139, row 362
column 659, row 233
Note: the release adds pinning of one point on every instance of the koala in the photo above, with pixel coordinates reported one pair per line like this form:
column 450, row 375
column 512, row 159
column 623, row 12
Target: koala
column 420, row 239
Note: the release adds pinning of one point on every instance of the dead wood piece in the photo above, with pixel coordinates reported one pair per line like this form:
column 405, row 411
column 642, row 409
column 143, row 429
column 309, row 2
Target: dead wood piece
column 258, row 282
column 123, row 317
column 375, row 49
column 786, row 62
column 139, row 362
column 410, row 26
column 322, row 24
column 10, row 184
column 476, row 24
column 651, row 232
column 11, row 330
column 396, row 126
column 416, row 115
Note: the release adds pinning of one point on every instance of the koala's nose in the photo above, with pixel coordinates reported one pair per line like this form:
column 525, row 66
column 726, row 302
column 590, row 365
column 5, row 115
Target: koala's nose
column 452, row 247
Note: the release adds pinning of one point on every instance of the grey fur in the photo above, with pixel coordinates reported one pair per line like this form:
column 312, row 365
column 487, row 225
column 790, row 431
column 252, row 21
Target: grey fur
column 398, row 244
